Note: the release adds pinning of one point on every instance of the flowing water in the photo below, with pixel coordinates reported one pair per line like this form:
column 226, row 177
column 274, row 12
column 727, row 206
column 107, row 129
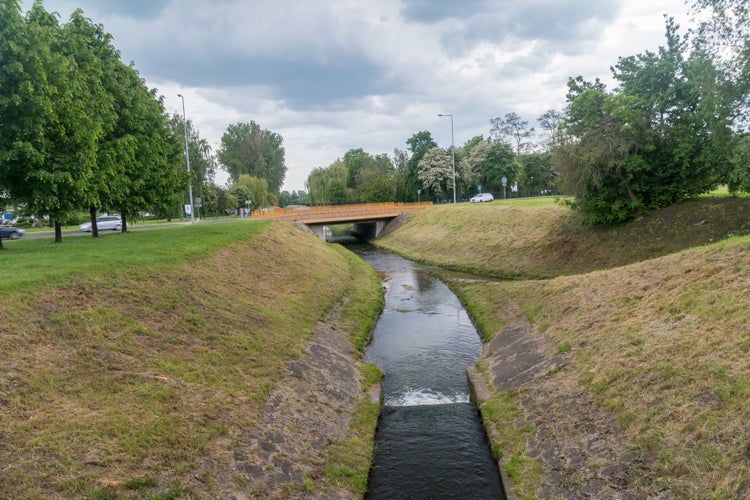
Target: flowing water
column 430, row 440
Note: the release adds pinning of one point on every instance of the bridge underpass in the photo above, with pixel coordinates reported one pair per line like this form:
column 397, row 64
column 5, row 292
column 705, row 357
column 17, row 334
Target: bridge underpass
column 368, row 220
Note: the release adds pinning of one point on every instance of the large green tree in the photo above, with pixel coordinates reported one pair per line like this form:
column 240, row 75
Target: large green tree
column 656, row 140
column 329, row 186
column 418, row 145
column 248, row 149
column 725, row 36
column 490, row 161
column 48, row 108
column 251, row 189
column 371, row 178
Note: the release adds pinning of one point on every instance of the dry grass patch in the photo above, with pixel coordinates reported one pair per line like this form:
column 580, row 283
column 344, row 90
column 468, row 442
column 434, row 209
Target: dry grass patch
column 136, row 373
column 664, row 345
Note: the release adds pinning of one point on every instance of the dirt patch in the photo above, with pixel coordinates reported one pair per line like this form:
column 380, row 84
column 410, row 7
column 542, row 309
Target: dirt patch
column 579, row 443
column 307, row 411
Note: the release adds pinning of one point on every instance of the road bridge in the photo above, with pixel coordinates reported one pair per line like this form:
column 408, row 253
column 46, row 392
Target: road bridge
column 368, row 220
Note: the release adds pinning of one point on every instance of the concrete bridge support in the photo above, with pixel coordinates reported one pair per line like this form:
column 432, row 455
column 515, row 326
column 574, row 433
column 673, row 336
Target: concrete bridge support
column 369, row 230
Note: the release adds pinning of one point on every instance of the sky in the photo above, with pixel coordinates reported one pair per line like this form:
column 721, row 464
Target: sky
column 334, row 75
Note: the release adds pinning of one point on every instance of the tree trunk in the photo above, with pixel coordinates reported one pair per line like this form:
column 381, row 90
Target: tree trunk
column 92, row 217
column 124, row 228
column 1, row 243
column 58, row 232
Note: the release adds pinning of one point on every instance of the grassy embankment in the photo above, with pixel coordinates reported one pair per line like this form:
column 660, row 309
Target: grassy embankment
column 128, row 359
column 652, row 318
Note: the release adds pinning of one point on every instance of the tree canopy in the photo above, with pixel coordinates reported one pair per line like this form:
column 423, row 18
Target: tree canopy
column 247, row 149
column 654, row 141
column 78, row 128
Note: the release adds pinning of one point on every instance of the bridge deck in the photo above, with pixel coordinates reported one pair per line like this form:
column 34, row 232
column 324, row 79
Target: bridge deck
column 333, row 214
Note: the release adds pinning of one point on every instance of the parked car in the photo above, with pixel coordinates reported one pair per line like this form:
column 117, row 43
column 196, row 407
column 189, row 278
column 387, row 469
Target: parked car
column 11, row 232
column 478, row 198
column 104, row 222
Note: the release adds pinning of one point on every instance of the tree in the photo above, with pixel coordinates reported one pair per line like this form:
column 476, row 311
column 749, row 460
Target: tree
column 436, row 172
column 154, row 176
column 377, row 181
column 253, row 189
column 724, row 36
column 202, row 165
column 489, row 162
column 551, row 122
column 247, row 149
column 512, row 130
column 328, row 186
column 418, row 144
column 52, row 113
column 655, row 141
column 294, row 198
column 538, row 173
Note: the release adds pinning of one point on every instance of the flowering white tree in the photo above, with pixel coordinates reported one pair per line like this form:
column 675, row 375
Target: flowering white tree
column 435, row 172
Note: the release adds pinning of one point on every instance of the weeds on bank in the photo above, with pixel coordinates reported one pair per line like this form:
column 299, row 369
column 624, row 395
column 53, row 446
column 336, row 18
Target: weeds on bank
column 500, row 414
column 347, row 461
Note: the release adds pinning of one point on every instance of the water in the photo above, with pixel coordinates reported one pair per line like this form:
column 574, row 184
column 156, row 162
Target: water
column 430, row 440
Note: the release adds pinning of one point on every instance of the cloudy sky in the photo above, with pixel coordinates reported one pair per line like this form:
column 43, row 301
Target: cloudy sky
column 333, row 75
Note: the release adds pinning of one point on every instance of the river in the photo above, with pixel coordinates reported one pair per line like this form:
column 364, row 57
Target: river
column 430, row 442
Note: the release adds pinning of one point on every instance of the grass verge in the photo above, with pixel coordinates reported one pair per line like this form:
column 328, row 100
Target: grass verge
column 533, row 239
column 136, row 355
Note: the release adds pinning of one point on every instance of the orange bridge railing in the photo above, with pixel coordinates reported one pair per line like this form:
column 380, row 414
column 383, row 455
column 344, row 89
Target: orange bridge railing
column 331, row 213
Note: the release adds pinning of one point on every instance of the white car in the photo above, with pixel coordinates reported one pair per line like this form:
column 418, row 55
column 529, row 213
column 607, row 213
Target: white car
column 113, row 222
column 478, row 198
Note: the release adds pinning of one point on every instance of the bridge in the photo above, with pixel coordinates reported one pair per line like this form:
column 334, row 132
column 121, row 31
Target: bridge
column 368, row 220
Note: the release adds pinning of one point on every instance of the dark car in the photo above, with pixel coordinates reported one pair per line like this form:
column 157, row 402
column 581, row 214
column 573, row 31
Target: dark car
column 10, row 232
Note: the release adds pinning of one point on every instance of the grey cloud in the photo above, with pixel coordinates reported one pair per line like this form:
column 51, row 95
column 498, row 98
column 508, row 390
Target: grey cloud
column 554, row 22
column 433, row 11
column 301, row 84
column 135, row 9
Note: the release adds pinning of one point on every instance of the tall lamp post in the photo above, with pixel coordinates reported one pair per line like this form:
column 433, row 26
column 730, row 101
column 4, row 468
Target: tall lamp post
column 187, row 159
column 453, row 157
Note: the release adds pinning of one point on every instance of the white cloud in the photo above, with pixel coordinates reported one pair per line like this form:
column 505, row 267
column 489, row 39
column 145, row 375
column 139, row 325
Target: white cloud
column 331, row 75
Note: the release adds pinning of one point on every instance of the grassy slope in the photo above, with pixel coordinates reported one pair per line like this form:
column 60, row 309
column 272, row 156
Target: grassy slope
column 538, row 239
column 148, row 347
column 663, row 343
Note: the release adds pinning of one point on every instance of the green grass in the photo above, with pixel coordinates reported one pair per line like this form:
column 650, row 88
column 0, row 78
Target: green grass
column 651, row 317
column 534, row 238
column 148, row 353
column 39, row 261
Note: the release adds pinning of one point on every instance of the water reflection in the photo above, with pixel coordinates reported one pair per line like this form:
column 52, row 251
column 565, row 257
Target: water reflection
column 430, row 441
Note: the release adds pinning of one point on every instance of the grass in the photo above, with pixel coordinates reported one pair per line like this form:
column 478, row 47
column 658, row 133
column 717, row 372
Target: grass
column 537, row 239
column 39, row 261
column 144, row 355
column 651, row 316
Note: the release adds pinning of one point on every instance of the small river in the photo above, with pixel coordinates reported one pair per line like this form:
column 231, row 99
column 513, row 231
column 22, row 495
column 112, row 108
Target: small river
column 430, row 440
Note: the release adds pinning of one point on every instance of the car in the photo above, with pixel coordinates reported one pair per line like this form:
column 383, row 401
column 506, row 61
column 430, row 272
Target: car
column 478, row 198
column 104, row 222
column 11, row 232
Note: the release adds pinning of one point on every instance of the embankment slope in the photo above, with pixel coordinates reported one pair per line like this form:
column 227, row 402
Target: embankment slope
column 168, row 379
column 632, row 377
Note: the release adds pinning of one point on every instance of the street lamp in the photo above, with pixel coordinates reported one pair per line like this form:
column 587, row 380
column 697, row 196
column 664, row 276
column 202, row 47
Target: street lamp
column 187, row 159
column 453, row 157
